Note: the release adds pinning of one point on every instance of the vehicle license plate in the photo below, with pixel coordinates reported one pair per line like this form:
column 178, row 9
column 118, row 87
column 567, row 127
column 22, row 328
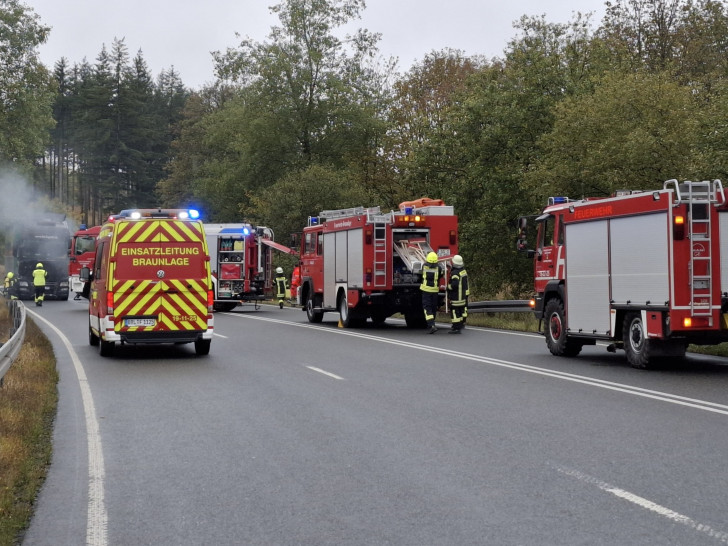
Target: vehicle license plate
column 140, row 322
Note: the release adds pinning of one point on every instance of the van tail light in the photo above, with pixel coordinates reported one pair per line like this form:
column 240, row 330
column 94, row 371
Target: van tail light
column 453, row 237
column 210, row 300
column 109, row 303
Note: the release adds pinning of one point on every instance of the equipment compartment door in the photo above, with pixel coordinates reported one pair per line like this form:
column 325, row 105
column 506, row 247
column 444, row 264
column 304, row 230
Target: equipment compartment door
column 587, row 278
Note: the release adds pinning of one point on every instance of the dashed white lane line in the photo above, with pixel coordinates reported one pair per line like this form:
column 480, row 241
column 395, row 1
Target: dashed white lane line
column 647, row 504
column 97, row 518
column 319, row 370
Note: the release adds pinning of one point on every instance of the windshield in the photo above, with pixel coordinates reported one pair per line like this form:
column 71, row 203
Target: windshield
column 44, row 245
column 85, row 243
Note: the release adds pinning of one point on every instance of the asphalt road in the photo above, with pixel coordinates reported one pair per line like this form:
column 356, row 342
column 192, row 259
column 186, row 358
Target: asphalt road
column 292, row 433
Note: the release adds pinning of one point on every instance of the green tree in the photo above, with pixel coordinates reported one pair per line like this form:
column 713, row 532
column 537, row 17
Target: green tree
column 307, row 97
column 287, row 204
column 634, row 132
column 477, row 157
column 26, row 87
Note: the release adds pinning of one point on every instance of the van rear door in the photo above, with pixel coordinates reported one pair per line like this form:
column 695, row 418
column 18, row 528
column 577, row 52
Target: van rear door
column 161, row 276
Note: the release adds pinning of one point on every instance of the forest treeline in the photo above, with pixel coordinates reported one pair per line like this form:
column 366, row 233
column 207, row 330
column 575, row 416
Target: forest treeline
column 309, row 119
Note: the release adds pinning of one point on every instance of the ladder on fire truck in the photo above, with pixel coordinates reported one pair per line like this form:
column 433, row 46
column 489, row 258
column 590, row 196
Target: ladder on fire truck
column 413, row 252
column 700, row 196
column 379, row 224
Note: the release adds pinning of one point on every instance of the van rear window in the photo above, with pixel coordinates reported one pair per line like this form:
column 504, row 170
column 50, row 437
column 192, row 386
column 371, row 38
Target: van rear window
column 152, row 261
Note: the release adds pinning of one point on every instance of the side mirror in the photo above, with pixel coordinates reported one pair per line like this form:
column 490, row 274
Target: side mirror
column 522, row 241
column 85, row 274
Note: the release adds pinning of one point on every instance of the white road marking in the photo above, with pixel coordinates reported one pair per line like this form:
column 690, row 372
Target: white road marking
column 647, row 504
column 702, row 405
column 219, row 335
column 97, row 518
column 319, row 370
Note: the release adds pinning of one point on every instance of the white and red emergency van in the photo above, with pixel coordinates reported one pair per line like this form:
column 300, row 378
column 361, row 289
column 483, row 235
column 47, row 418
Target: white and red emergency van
column 645, row 270
column 241, row 263
column 363, row 263
column 151, row 281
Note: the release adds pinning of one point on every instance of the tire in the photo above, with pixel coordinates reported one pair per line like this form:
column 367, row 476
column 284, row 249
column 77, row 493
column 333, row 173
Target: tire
column 93, row 339
column 378, row 319
column 106, row 348
column 557, row 338
column 202, row 347
column 350, row 318
column 344, row 312
column 637, row 345
column 313, row 315
column 415, row 320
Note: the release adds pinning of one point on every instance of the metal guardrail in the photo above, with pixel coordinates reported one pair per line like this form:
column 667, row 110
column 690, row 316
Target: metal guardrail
column 502, row 306
column 10, row 349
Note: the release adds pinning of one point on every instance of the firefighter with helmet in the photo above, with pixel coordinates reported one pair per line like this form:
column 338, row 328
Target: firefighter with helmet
column 430, row 288
column 457, row 292
column 280, row 286
column 9, row 286
column 39, row 280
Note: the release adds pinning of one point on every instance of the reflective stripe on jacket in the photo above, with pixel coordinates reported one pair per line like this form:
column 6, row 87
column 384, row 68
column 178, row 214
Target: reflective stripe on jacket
column 430, row 276
column 39, row 277
column 458, row 289
column 281, row 287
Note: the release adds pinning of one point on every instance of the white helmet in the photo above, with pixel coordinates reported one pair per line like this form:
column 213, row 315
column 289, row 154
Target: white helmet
column 279, row 270
column 457, row 260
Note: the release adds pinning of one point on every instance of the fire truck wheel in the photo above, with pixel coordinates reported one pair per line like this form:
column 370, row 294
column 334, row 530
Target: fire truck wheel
column 93, row 339
column 106, row 348
column 555, row 330
column 378, row 319
column 636, row 344
column 312, row 314
column 349, row 317
column 415, row 320
column 202, row 347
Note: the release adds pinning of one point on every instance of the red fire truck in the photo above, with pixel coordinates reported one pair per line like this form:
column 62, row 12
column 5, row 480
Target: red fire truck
column 241, row 263
column 83, row 250
column 366, row 264
column 643, row 270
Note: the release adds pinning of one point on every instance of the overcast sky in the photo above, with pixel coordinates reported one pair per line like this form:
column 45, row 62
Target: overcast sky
column 182, row 33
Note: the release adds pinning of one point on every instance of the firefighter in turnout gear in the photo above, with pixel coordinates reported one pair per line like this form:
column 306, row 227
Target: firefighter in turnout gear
column 430, row 289
column 457, row 292
column 9, row 286
column 39, row 280
column 280, row 286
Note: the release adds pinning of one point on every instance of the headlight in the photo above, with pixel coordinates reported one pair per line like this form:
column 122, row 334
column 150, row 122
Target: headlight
column 23, row 284
column 63, row 284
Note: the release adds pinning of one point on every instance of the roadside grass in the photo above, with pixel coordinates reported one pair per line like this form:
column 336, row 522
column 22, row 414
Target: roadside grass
column 28, row 400
column 522, row 322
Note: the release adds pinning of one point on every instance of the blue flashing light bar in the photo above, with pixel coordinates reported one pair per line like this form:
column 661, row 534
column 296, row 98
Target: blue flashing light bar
column 558, row 200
